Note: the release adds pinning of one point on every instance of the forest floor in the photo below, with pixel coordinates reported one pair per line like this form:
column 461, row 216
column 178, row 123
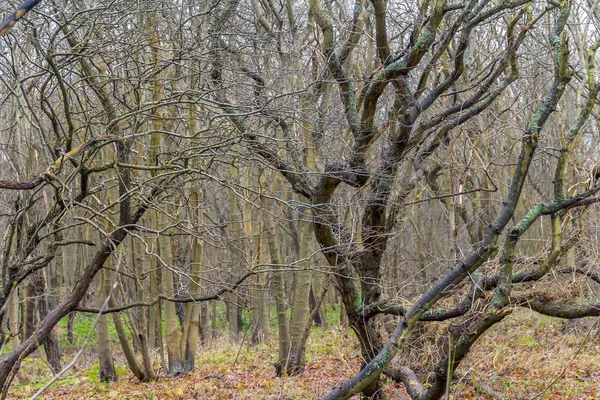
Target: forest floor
column 525, row 357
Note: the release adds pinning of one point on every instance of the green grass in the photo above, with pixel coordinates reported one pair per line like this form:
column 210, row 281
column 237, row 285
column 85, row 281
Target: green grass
column 84, row 324
column 333, row 316
column 518, row 357
column 93, row 373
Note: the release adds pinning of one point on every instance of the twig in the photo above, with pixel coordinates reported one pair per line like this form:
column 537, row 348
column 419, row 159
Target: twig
column 481, row 386
column 242, row 343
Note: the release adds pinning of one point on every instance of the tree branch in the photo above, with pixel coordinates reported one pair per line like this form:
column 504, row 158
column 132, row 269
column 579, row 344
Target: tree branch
column 12, row 19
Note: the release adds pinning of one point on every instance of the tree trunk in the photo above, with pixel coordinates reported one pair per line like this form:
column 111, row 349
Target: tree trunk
column 132, row 362
column 51, row 347
column 54, row 278
column 300, row 306
column 105, row 356
column 173, row 332
column 70, row 327
column 191, row 326
column 141, row 320
column 154, row 317
column 315, row 287
column 233, row 308
column 28, row 316
column 13, row 322
column 213, row 320
column 280, row 303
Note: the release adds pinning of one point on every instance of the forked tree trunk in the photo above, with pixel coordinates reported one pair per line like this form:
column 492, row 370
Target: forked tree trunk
column 132, row 362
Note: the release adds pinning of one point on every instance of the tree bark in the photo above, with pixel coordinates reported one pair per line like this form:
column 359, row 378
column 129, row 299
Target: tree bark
column 173, row 332
column 51, row 347
column 105, row 356
column 132, row 362
column 300, row 307
column 191, row 326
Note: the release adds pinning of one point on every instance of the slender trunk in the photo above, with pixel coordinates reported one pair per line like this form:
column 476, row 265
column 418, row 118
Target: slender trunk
column 280, row 304
column 154, row 317
column 204, row 324
column 191, row 326
column 70, row 327
column 300, row 306
column 263, row 306
column 105, row 356
column 53, row 278
column 173, row 332
column 315, row 289
column 303, row 337
column 453, row 220
column 132, row 362
column 233, row 309
column 179, row 281
column 142, row 323
column 213, row 318
column 13, row 324
column 261, row 255
column 51, row 347
column 29, row 307
column 260, row 308
column 149, row 371
column 251, row 255
column 153, row 38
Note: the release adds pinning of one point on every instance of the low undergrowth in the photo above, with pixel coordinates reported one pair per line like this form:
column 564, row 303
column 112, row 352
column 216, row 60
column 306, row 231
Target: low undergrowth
column 525, row 357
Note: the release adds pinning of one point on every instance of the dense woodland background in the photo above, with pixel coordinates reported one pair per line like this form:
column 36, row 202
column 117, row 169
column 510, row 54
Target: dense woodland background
column 177, row 173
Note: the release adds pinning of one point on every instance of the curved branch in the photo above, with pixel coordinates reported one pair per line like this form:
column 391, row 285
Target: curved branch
column 52, row 169
column 459, row 272
column 215, row 296
column 567, row 310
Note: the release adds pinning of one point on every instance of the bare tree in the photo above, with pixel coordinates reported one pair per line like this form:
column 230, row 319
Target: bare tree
column 423, row 141
column 400, row 110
